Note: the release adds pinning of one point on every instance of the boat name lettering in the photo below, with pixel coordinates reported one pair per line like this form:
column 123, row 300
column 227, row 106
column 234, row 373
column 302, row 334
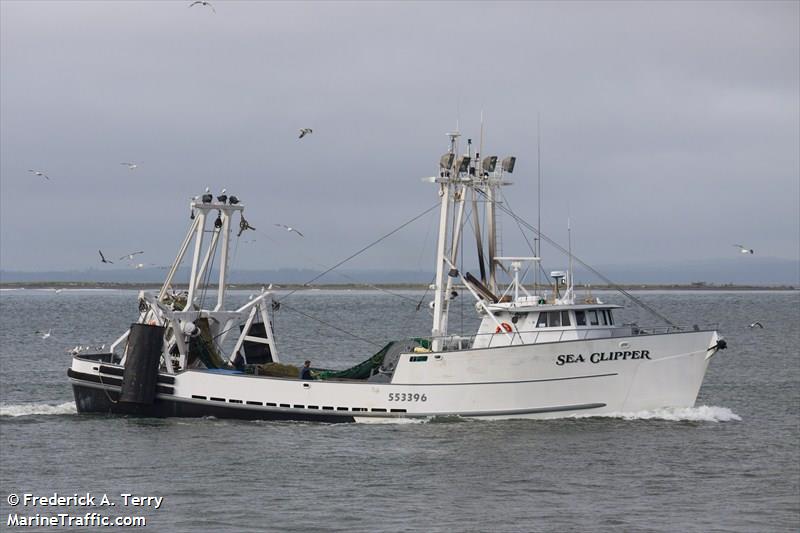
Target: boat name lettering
column 407, row 397
column 599, row 357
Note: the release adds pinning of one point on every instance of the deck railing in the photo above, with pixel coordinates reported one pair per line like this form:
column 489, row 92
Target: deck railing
column 451, row 343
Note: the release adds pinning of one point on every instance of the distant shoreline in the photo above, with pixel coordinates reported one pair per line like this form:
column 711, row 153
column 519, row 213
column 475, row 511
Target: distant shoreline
column 385, row 286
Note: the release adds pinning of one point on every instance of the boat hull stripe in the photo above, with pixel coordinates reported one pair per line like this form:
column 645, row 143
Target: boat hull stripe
column 105, row 381
column 90, row 398
column 504, row 382
column 118, row 371
column 250, row 411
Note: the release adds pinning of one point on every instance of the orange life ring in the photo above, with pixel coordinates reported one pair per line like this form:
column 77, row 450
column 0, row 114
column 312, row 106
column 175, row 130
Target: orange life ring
column 506, row 326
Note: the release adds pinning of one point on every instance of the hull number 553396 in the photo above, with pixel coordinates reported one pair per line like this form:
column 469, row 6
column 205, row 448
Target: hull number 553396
column 407, row 397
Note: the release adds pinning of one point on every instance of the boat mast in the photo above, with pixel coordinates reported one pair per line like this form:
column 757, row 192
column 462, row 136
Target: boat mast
column 491, row 230
column 538, row 247
column 448, row 175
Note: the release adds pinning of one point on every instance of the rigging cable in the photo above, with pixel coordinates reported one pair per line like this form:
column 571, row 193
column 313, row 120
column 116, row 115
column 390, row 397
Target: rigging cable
column 210, row 266
column 340, row 263
column 532, row 248
column 330, row 325
column 589, row 268
column 362, row 250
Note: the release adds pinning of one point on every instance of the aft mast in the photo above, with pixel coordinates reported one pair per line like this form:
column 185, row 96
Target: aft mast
column 184, row 316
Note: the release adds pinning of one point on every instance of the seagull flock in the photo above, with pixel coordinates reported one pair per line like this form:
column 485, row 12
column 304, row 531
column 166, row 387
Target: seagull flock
column 129, row 257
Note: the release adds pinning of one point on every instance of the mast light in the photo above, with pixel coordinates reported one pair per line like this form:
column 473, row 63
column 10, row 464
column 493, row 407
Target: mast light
column 446, row 161
column 463, row 163
column 508, row 164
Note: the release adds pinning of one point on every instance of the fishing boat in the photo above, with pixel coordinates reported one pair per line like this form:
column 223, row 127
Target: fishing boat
column 543, row 352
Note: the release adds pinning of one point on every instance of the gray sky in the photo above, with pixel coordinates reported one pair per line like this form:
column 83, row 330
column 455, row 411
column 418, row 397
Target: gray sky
column 669, row 130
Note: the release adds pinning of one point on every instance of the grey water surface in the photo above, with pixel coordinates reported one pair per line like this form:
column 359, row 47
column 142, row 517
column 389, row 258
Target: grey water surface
column 732, row 463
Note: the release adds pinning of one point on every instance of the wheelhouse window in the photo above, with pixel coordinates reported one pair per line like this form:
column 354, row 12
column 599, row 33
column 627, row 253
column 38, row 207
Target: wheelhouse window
column 610, row 319
column 580, row 318
column 593, row 318
column 553, row 319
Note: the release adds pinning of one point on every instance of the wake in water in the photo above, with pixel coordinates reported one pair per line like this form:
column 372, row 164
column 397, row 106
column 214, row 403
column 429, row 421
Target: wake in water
column 31, row 409
column 702, row 413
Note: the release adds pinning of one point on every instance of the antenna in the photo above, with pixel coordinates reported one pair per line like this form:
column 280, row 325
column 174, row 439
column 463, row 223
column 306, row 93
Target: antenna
column 538, row 197
column 458, row 113
column 570, row 283
column 480, row 146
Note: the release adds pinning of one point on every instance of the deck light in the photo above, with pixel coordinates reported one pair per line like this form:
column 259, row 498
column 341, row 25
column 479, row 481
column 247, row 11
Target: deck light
column 218, row 222
column 222, row 198
column 233, row 200
column 463, row 163
column 489, row 163
column 508, row 164
column 446, row 160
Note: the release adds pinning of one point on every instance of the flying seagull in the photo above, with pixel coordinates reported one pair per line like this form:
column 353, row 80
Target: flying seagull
column 103, row 258
column 304, row 132
column 39, row 173
column 46, row 335
column 756, row 325
column 130, row 255
column 203, row 3
column 743, row 249
column 131, row 165
column 289, row 228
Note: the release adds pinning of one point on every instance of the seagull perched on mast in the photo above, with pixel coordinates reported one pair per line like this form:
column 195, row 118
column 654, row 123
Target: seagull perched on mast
column 39, row 173
column 203, row 3
column 743, row 249
column 103, row 258
column 304, row 132
column 289, row 228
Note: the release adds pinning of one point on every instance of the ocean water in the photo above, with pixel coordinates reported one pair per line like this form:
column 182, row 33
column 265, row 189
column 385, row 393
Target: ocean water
column 731, row 463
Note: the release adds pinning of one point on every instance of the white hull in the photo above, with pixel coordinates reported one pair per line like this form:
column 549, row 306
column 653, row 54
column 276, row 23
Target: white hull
column 619, row 374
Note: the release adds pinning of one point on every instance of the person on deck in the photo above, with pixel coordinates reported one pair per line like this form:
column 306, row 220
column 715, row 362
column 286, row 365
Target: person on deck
column 305, row 371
